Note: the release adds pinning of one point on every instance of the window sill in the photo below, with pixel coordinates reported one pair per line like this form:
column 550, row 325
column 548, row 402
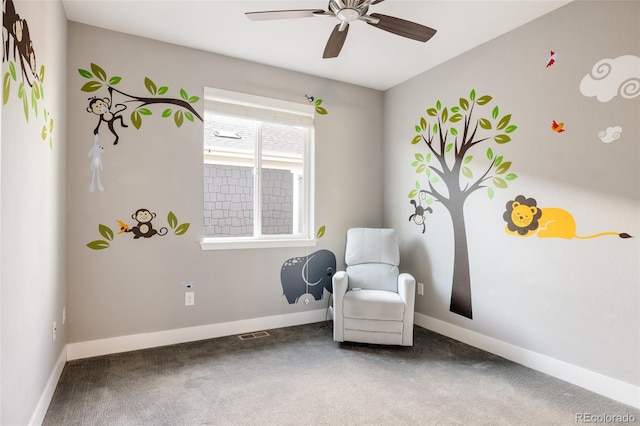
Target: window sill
column 249, row 243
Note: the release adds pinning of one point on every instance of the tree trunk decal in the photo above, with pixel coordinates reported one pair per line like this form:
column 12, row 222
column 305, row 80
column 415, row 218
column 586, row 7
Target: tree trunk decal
column 452, row 137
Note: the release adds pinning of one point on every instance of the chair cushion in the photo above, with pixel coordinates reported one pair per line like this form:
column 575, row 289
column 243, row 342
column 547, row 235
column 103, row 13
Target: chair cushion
column 373, row 304
column 372, row 245
column 373, row 276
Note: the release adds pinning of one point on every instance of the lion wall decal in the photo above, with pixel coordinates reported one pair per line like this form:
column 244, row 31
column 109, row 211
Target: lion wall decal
column 524, row 218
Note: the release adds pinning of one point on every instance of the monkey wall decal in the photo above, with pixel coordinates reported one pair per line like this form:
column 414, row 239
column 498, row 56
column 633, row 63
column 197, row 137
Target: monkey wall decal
column 18, row 29
column 102, row 108
column 95, row 154
column 143, row 228
column 418, row 216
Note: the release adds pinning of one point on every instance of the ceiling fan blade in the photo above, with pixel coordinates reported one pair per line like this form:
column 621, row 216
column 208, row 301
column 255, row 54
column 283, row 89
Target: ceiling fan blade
column 376, row 2
column 403, row 28
column 335, row 42
column 283, row 14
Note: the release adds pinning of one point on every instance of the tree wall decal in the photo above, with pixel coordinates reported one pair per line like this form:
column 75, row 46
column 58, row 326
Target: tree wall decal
column 108, row 111
column 452, row 137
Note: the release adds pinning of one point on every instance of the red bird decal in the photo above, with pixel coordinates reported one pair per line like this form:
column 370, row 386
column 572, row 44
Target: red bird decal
column 557, row 127
column 551, row 59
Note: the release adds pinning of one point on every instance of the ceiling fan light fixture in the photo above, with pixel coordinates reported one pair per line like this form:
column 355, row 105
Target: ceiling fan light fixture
column 348, row 15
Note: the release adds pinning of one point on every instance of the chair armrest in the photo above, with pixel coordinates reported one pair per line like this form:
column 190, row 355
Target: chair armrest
column 407, row 287
column 340, row 283
column 407, row 290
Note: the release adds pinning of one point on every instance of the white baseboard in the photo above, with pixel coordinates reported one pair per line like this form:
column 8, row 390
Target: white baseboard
column 47, row 394
column 611, row 388
column 170, row 337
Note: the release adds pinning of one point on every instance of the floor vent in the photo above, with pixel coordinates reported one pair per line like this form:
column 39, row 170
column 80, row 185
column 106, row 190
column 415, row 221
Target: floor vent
column 254, row 335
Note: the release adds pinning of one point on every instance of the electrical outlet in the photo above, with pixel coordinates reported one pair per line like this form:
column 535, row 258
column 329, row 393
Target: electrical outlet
column 189, row 298
column 54, row 331
column 421, row 289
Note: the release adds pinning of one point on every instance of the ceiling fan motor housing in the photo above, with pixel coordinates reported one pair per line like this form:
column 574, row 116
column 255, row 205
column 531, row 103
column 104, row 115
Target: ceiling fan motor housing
column 349, row 10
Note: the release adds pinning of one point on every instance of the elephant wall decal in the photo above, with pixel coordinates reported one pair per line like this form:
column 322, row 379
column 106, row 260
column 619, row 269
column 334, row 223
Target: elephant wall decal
column 308, row 275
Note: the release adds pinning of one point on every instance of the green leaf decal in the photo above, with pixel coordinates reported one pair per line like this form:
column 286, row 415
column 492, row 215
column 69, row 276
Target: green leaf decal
column 455, row 109
column 503, row 168
column 438, row 105
column 98, row 72
column 25, row 104
column 445, row 115
column 413, row 193
column 20, row 90
column 455, row 117
column 510, row 129
column 98, row 245
column 511, row 176
column 418, row 129
column 44, row 132
column 485, row 124
column 483, row 100
column 419, row 157
column 498, row 161
column 435, row 128
column 464, row 104
column 41, row 73
column 490, row 154
column 183, row 94
column 320, row 110
column 189, row 116
column 85, row 73
column 416, row 140
column 468, row 159
column 495, row 113
column 318, row 102
column 167, row 112
column 150, row 85
column 114, row 80
column 432, row 112
column 320, row 232
column 449, row 147
column 182, row 229
column 417, row 185
column 91, row 86
column 423, row 124
column 193, row 99
column 106, row 232
column 454, row 131
column 6, row 86
column 472, row 95
column 12, row 70
column 490, row 193
column 502, row 139
column 504, row 122
column 136, row 119
column 162, row 90
column 145, row 111
column 467, row 172
column 178, row 117
column 499, row 182
column 421, row 168
column 172, row 220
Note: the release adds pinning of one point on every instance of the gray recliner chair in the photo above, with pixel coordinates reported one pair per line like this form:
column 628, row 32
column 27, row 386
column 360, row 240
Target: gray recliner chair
column 372, row 301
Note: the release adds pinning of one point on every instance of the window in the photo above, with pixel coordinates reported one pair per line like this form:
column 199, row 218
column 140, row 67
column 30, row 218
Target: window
column 258, row 171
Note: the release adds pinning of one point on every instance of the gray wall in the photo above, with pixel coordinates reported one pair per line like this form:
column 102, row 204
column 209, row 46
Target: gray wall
column 134, row 286
column 33, row 222
column 577, row 301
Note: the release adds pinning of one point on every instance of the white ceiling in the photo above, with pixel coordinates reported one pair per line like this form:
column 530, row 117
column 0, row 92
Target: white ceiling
column 370, row 57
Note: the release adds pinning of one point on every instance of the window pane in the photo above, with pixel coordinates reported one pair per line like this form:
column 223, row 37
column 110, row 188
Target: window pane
column 282, row 174
column 229, row 153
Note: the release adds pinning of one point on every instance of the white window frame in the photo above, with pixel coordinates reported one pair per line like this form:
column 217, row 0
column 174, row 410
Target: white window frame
column 267, row 109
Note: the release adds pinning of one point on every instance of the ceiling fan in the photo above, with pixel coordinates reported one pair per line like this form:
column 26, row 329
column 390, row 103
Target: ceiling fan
column 347, row 11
